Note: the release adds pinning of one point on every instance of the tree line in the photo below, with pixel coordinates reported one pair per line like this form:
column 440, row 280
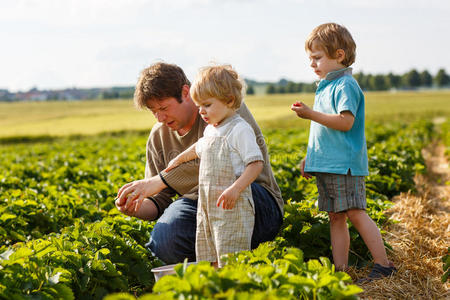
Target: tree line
column 368, row 82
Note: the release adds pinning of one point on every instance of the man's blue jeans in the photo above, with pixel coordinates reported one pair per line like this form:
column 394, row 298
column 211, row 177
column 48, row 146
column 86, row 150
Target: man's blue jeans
column 173, row 236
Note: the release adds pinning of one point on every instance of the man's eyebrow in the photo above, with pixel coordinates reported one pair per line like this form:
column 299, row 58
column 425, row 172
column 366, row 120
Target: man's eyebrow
column 152, row 107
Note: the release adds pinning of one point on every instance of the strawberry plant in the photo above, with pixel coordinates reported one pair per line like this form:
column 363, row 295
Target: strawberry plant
column 63, row 238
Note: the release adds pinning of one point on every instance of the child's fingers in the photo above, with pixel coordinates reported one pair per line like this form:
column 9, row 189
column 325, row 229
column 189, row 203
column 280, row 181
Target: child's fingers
column 220, row 201
column 230, row 204
column 294, row 108
column 171, row 165
column 224, row 202
column 307, row 175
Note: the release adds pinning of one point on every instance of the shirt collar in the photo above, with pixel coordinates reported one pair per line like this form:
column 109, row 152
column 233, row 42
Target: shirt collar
column 228, row 120
column 339, row 73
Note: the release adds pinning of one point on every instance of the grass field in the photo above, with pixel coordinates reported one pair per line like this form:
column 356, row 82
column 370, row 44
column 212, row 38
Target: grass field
column 32, row 119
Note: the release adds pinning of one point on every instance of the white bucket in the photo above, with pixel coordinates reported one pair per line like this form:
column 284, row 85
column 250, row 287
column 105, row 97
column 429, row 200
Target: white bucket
column 166, row 270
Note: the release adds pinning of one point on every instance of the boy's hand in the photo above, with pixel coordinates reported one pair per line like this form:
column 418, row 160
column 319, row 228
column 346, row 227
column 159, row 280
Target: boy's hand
column 302, row 170
column 228, row 198
column 301, row 109
column 173, row 164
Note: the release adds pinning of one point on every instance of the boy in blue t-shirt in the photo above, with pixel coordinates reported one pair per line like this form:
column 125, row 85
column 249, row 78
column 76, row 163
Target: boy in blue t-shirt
column 337, row 151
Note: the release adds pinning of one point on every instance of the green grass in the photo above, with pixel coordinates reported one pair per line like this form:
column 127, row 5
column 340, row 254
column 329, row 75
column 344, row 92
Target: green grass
column 54, row 119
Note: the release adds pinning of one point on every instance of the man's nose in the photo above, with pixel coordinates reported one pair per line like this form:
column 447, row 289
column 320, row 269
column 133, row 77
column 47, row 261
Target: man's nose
column 313, row 63
column 160, row 116
column 201, row 110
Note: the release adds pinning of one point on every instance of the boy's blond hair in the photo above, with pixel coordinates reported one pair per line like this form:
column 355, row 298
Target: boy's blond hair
column 221, row 82
column 330, row 37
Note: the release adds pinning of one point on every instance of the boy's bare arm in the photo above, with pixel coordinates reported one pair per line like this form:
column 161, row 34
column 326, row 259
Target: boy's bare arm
column 228, row 198
column 185, row 156
column 342, row 122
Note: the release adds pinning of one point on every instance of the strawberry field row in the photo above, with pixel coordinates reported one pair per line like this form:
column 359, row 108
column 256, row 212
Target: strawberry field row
column 62, row 237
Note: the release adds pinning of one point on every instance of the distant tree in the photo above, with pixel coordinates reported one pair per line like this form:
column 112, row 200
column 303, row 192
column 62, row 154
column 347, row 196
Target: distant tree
column 250, row 90
column 366, row 81
column 363, row 80
column 281, row 89
column 378, row 83
column 299, row 87
column 441, row 79
column 309, row 88
column 412, row 79
column 283, row 82
column 393, row 81
column 360, row 78
column 291, row 87
column 426, row 79
column 110, row 95
column 270, row 89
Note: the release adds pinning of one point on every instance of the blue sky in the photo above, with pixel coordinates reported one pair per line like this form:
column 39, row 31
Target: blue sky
column 95, row 43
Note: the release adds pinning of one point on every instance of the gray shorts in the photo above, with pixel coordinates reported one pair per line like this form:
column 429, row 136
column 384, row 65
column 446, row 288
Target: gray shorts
column 338, row 193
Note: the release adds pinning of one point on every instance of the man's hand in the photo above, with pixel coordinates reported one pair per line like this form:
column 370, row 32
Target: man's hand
column 301, row 109
column 132, row 194
column 147, row 212
column 228, row 198
column 122, row 208
column 302, row 170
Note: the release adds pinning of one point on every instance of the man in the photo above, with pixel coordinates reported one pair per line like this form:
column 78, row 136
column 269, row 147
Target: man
column 164, row 89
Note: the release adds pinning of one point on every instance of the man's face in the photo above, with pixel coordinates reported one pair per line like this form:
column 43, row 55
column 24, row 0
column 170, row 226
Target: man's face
column 169, row 112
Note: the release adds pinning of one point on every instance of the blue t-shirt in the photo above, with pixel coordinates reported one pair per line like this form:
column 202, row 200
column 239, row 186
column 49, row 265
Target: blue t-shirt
column 334, row 151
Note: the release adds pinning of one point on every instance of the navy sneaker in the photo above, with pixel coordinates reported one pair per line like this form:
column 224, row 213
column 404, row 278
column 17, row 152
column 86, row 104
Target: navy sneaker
column 378, row 272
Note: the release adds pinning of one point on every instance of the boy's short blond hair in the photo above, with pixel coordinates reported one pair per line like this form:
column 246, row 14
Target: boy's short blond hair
column 330, row 37
column 221, row 82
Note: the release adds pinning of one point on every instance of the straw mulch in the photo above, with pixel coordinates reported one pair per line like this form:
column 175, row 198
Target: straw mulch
column 419, row 237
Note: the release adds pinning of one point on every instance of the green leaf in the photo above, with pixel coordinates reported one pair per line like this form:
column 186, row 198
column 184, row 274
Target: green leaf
column 120, row 296
column 7, row 216
column 326, row 262
column 20, row 253
column 171, row 283
column 64, row 292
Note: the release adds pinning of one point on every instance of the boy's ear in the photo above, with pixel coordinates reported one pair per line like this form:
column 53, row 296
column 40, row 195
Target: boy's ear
column 230, row 102
column 340, row 55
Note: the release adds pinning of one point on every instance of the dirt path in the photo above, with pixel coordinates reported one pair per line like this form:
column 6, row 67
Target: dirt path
column 420, row 236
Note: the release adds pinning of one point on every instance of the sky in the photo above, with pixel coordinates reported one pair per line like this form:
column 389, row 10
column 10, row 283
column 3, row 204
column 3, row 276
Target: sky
column 53, row 44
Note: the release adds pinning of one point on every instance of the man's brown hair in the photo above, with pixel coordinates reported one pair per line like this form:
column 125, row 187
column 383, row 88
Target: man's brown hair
column 158, row 82
column 330, row 37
